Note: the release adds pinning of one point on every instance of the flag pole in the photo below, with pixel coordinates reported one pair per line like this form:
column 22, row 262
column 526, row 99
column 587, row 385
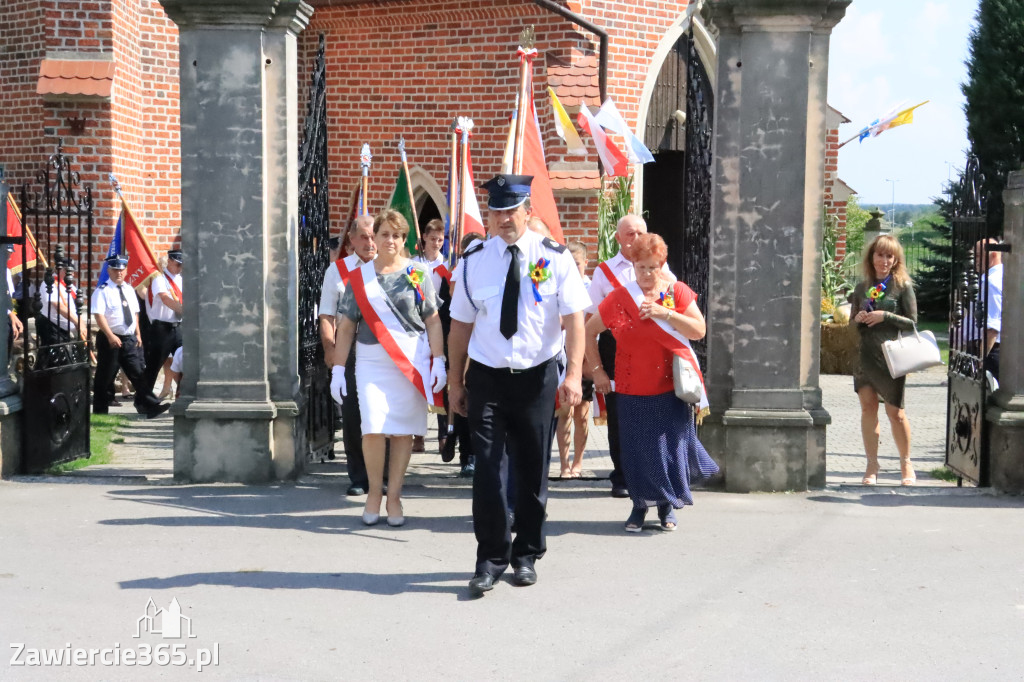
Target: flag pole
column 124, row 205
column 465, row 126
column 526, row 54
column 364, row 163
column 415, row 227
column 454, row 191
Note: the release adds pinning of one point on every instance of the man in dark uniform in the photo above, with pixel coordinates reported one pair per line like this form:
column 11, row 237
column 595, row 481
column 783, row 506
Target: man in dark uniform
column 115, row 307
column 513, row 296
column 164, row 318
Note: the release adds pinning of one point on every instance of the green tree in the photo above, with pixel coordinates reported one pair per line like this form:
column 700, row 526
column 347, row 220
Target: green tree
column 932, row 282
column 856, row 219
column 995, row 97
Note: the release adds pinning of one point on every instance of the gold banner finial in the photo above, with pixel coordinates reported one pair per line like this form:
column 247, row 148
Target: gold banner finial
column 526, row 38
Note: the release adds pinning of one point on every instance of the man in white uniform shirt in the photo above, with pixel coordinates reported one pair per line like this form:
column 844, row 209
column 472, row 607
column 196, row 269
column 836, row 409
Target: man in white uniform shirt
column 992, row 267
column 115, row 308
column 514, row 293
column 360, row 236
column 59, row 316
column 615, row 272
column 164, row 319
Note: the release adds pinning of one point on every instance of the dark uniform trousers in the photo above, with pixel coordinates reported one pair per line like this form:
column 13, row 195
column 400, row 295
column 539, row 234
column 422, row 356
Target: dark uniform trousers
column 606, row 349
column 510, row 412
column 351, row 426
column 164, row 338
column 129, row 358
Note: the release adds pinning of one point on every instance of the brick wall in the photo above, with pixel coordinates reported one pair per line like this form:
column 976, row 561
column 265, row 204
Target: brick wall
column 835, row 206
column 134, row 135
column 409, row 67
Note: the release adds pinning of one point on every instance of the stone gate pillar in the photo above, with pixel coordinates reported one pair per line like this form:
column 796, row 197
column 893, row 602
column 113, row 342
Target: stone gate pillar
column 767, row 428
column 238, row 194
column 1005, row 413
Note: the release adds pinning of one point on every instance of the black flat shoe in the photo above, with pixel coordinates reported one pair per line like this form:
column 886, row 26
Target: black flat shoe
column 158, row 410
column 479, row 584
column 355, row 491
column 620, row 491
column 524, row 576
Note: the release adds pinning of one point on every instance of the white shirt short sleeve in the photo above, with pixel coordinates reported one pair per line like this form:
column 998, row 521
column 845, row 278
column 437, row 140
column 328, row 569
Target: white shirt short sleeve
column 995, row 300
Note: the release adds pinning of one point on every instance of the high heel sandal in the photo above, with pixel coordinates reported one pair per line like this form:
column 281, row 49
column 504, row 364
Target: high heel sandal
column 871, row 474
column 635, row 522
column 907, row 472
column 667, row 516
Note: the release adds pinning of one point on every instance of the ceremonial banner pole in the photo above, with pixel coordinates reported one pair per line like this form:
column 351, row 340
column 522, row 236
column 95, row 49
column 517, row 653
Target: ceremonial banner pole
column 364, row 162
column 415, row 227
column 526, row 54
column 466, row 126
column 454, row 192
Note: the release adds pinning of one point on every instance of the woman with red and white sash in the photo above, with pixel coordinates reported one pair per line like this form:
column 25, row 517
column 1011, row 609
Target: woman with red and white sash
column 390, row 310
column 653, row 320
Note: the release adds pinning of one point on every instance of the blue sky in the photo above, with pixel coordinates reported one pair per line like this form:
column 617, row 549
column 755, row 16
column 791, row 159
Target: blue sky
column 882, row 53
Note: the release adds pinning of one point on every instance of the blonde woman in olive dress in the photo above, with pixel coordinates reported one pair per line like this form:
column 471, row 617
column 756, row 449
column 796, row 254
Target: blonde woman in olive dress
column 884, row 305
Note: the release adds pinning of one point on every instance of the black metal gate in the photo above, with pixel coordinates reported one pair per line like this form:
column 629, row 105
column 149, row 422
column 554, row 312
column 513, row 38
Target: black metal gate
column 966, row 431
column 316, row 408
column 53, row 309
column 677, row 186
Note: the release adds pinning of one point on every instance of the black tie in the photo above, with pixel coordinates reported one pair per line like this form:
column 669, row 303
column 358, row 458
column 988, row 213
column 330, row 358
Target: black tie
column 126, row 312
column 510, row 299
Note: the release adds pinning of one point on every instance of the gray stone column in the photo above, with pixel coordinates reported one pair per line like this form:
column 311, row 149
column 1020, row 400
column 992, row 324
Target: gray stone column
column 767, row 427
column 10, row 397
column 237, row 168
column 281, row 51
column 1005, row 413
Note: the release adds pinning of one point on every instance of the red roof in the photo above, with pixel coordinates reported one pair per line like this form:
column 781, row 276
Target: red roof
column 569, row 180
column 93, row 77
column 576, row 82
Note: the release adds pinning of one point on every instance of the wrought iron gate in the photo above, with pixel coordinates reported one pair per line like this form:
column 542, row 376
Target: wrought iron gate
column 677, row 187
column 316, row 408
column 57, row 216
column 966, row 431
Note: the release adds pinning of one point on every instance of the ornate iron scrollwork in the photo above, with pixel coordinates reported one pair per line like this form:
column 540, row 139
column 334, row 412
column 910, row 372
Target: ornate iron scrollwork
column 697, row 242
column 316, row 405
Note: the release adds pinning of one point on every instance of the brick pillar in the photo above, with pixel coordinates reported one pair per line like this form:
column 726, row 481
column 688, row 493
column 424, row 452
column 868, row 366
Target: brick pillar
column 238, row 161
column 1005, row 413
column 767, row 426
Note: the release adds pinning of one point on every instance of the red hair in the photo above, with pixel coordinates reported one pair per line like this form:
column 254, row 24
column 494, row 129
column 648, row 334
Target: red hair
column 650, row 245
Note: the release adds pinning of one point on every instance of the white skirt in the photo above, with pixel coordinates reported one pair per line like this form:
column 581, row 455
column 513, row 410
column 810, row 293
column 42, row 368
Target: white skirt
column 388, row 402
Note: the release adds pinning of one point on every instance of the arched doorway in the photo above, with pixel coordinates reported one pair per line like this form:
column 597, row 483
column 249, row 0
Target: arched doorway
column 677, row 186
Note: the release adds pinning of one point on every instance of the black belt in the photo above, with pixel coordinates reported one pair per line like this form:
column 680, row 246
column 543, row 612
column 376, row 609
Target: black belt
column 172, row 325
column 125, row 336
column 510, row 370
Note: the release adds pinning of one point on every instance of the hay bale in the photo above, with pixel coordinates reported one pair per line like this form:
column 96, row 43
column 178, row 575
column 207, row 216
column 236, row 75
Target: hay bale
column 840, row 346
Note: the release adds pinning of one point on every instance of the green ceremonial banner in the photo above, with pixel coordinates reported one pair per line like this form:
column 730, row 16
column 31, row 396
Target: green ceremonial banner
column 400, row 202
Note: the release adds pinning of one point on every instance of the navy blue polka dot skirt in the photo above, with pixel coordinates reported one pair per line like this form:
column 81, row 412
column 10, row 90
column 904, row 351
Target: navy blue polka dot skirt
column 661, row 455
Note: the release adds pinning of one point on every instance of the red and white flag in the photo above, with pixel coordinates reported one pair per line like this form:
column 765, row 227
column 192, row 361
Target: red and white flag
column 615, row 162
column 471, row 218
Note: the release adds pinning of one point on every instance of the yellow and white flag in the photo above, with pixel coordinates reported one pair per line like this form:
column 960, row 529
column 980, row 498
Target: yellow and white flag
column 564, row 127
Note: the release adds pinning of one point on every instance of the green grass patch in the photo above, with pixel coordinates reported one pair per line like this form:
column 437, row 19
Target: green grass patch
column 103, row 431
column 944, row 474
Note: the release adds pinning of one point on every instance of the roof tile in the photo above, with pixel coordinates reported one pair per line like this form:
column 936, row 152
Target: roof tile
column 93, row 77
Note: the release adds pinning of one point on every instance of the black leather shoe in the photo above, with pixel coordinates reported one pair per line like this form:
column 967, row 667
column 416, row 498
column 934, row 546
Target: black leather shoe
column 524, row 576
column 479, row 584
column 448, row 449
column 620, row 491
column 355, row 490
column 158, row 410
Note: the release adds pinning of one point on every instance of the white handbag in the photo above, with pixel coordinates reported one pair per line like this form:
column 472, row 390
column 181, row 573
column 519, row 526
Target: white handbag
column 911, row 353
column 685, row 380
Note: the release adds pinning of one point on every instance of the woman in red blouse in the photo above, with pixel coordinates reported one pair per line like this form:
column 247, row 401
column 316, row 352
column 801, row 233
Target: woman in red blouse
column 649, row 319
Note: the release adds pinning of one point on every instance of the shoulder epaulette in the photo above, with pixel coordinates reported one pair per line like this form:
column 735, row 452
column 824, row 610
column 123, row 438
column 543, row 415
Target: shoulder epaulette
column 553, row 245
column 473, row 249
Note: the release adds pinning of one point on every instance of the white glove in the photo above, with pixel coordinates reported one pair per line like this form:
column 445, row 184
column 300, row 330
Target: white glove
column 338, row 387
column 438, row 375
